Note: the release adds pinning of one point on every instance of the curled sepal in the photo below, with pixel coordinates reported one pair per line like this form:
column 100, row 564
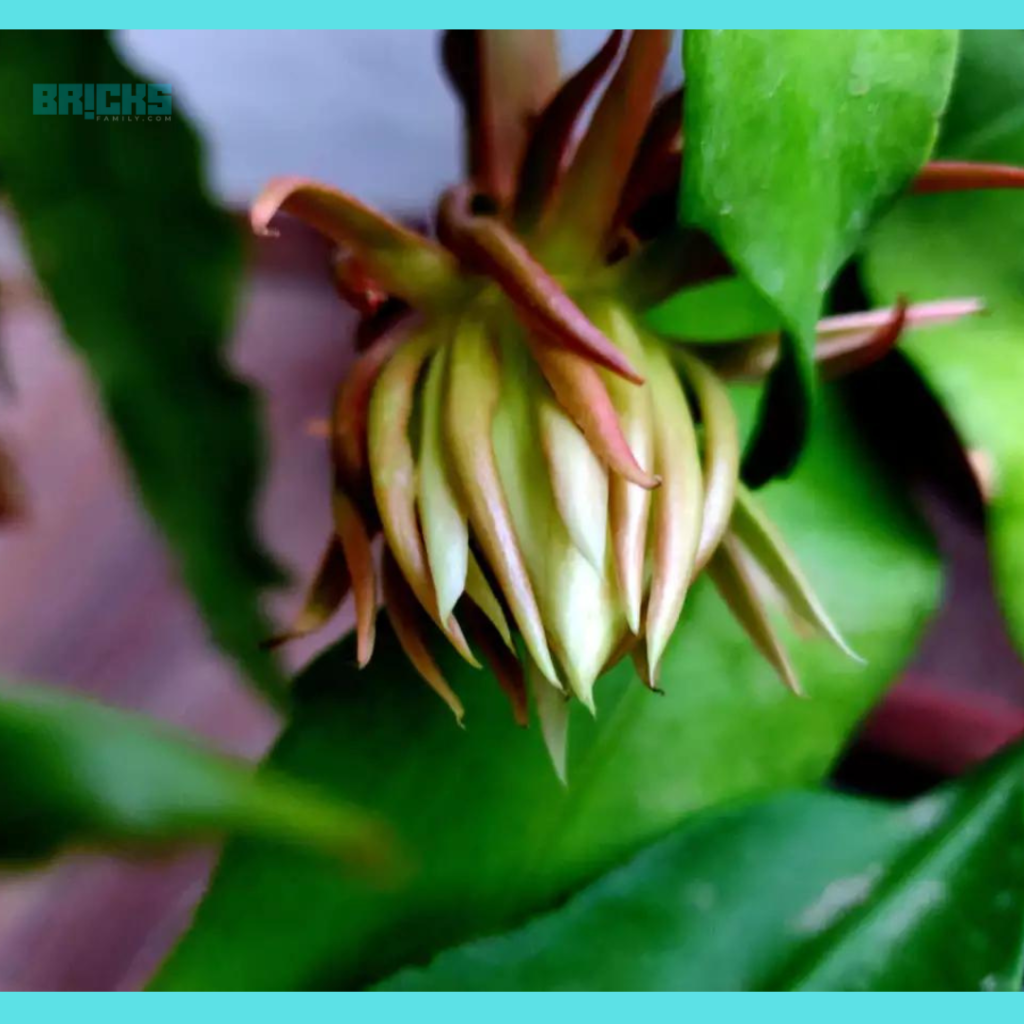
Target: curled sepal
column 628, row 504
column 445, row 532
column 329, row 588
column 731, row 573
column 582, row 393
column 504, row 78
column 355, row 544
column 843, row 354
column 921, row 314
column 554, row 132
column 588, row 196
column 348, row 431
column 393, row 473
column 678, row 506
column 409, row 625
column 354, row 284
column 965, row 175
column 503, row 663
column 540, row 302
column 400, row 261
column 721, row 452
column 552, row 708
column 767, row 548
column 844, row 342
column 578, row 479
column 473, row 393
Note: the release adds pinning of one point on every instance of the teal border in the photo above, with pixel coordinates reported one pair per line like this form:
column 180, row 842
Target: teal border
column 304, row 14
column 507, row 1008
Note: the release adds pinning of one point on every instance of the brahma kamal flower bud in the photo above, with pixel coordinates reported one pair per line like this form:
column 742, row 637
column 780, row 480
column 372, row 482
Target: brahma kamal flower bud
column 546, row 476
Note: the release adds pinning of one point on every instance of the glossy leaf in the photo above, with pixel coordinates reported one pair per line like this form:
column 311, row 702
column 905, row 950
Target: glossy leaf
column 143, row 271
column 493, row 834
column 795, row 142
column 721, row 310
column 973, row 244
column 808, row 891
column 80, row 774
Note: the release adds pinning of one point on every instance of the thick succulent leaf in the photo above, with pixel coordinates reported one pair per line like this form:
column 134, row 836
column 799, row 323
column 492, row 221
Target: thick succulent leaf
column 78, row 774
column 143, row 272
column 807, row 891
column 796, row 141
column 973, row 244
column 493, row 834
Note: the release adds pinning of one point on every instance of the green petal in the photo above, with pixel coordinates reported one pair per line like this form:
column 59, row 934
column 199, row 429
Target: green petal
column 731, row 571
column 677, row 506
column 769, row 550
column 578, row 479
column 445, row 532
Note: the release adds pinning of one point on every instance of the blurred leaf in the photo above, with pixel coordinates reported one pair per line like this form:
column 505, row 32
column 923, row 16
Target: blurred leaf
column 79, row 774
column 492, row 832
column 723, row 310
column 144, row 271
column 795, row 140
column 808, row 891
column 973, row 244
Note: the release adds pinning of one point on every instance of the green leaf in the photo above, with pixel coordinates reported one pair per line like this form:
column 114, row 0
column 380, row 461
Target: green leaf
column 808, row 891
column 795, row 141
column 724, row 310
column 144, row 271
column 972, row 244
column 492, row 833
column 79, row 774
